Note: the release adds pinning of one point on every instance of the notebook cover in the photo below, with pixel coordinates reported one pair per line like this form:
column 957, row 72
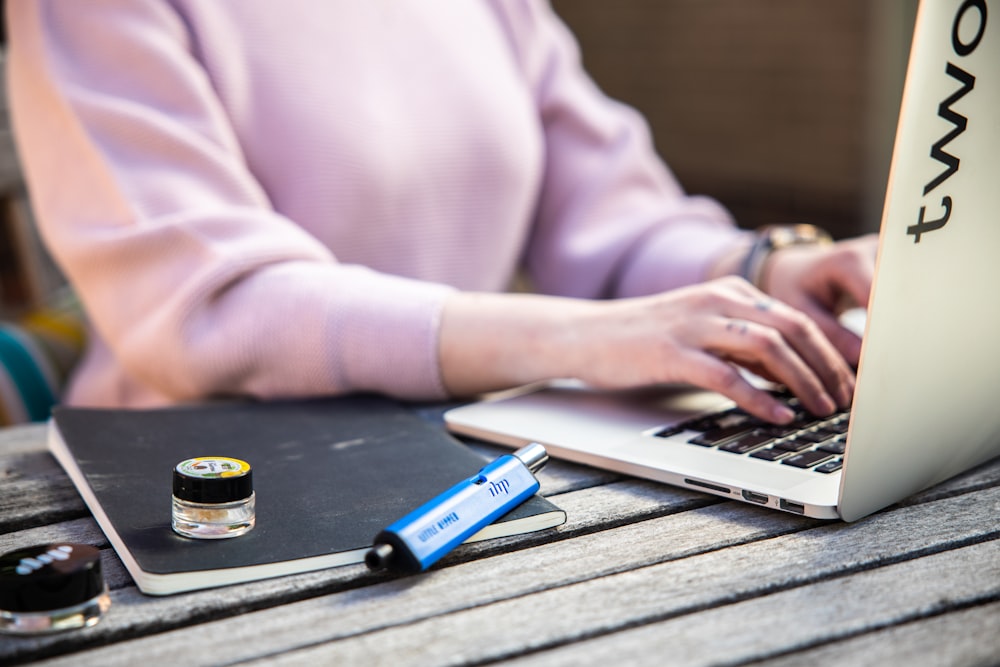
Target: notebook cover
column 328, row 475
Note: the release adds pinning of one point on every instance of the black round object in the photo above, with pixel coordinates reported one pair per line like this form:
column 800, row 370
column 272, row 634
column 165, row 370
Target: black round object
column 47, row 577
column 213, row 479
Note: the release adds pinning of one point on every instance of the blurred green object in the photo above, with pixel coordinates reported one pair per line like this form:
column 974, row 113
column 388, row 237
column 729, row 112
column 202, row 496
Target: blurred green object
column 37, row 353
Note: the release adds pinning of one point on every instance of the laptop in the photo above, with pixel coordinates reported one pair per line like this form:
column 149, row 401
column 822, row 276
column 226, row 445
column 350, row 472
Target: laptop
column 927, row 401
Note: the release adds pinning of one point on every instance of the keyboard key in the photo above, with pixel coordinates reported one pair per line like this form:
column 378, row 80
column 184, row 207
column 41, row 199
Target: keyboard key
column 830, row 466
column 839, row 426
column 747, row 443
column 720, row 435
column 807, row 459
column 725, row 419
column 703, row 424
column 816, row 437
column 736, row 431
column 835, row 446
column 771, row 454
column 779, row 431
column 716, row 428
column 794, row 445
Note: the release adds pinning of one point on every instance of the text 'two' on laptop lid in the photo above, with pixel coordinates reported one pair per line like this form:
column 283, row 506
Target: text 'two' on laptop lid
column 926, row 403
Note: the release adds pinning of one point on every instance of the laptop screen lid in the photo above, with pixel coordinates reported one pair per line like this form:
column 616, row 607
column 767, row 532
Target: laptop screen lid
column 925, row 406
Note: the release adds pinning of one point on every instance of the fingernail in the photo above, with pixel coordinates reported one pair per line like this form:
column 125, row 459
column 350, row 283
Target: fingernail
column 782, row 414
column 845, row 394
column 829, row 406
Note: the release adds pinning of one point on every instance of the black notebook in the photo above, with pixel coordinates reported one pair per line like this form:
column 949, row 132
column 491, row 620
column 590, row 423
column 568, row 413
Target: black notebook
column 328, row 475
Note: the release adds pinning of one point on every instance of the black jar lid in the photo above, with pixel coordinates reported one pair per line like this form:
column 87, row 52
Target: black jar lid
column 213, row 479
column 47, row 577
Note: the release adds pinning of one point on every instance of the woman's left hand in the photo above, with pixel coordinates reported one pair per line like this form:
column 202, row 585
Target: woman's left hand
column 823, row 281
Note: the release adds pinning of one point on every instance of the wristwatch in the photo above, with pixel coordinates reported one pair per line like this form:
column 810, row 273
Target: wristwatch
column 776, row 237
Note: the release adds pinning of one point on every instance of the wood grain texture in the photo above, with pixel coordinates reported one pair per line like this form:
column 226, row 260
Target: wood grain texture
column 806, row 616
column 705, row 592
column 133, row 613
column 595, row 584
column 965, row 637
column 34, row 490
column 641, row 573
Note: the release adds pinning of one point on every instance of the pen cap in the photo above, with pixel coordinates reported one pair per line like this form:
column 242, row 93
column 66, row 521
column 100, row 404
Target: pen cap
column 533, row 456
column 213, row 479
column 48, row 577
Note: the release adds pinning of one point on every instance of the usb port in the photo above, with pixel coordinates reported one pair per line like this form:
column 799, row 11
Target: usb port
column 788, row 505
column 758, row 498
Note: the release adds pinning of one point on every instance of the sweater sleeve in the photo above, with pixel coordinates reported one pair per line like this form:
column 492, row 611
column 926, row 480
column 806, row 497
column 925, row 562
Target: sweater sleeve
column 612, row 220
column 196, row 284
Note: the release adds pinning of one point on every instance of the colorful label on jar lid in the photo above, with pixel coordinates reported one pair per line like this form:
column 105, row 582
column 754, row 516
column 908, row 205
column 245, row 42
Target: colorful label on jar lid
column 213, row 467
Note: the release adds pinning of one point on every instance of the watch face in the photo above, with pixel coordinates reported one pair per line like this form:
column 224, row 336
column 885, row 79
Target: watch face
column 782, row 237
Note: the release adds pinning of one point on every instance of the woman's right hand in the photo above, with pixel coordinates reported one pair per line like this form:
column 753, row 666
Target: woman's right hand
column 697, row 335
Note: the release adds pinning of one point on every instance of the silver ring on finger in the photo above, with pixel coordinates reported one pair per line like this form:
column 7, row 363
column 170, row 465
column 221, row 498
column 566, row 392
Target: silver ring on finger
column 737, row 326
column 764, row 305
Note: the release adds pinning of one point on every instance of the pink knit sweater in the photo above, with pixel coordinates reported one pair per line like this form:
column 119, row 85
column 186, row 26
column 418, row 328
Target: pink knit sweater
column 271, row 198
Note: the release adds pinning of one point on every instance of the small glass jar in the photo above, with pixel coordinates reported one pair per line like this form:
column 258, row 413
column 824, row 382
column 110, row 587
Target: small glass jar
column 51, row 587
column 213, row 498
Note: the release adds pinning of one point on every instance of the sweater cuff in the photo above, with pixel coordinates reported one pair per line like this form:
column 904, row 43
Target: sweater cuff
column 677, row 255
column 385, row 338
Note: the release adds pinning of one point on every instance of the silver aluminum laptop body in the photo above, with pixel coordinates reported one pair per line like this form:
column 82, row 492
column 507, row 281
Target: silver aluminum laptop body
column 926, row 405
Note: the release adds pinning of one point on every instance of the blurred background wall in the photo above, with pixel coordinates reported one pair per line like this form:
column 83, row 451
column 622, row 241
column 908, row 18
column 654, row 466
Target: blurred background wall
column 784, row 110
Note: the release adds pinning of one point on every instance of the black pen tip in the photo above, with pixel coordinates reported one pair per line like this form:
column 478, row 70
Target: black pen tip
column 379, row 556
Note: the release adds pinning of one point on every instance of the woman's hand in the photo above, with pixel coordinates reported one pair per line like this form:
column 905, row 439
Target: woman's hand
column 696, row 335
column 822, row 281
column 700, row 335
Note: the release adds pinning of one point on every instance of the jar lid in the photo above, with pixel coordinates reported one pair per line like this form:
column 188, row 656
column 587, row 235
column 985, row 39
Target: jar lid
column 47, row 577
column 213, row 479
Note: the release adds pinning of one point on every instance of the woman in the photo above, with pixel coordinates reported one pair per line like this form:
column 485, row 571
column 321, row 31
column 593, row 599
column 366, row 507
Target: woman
column 304, row 198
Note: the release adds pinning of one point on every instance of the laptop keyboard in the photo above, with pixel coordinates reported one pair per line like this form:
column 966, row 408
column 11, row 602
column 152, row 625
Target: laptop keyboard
column 808, row 442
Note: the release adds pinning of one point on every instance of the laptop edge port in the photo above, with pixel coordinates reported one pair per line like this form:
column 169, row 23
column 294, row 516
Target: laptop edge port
column 789, row 506
column 706, row 485
column 758, row 498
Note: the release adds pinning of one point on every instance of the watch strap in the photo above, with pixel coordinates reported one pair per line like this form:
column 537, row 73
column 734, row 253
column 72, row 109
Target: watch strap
column 775, row 237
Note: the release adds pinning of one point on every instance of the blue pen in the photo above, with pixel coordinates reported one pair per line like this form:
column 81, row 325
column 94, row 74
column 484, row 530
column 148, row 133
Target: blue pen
column 426, row 534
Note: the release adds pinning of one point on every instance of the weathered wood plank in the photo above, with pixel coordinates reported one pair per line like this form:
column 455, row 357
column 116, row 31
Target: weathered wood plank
column 557, row 476
column 597, row 508
column 592, row 510
column 980, row 477
column 632, row 499
column 587, row 509
column 594, row 584
column 22, row 438
column 966, row 637
column 34, row 491
column 383, row 600
column 83, row 531
column 823, row 612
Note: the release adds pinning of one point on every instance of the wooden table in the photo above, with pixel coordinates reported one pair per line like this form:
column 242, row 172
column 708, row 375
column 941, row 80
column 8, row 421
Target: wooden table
column 640, row 574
